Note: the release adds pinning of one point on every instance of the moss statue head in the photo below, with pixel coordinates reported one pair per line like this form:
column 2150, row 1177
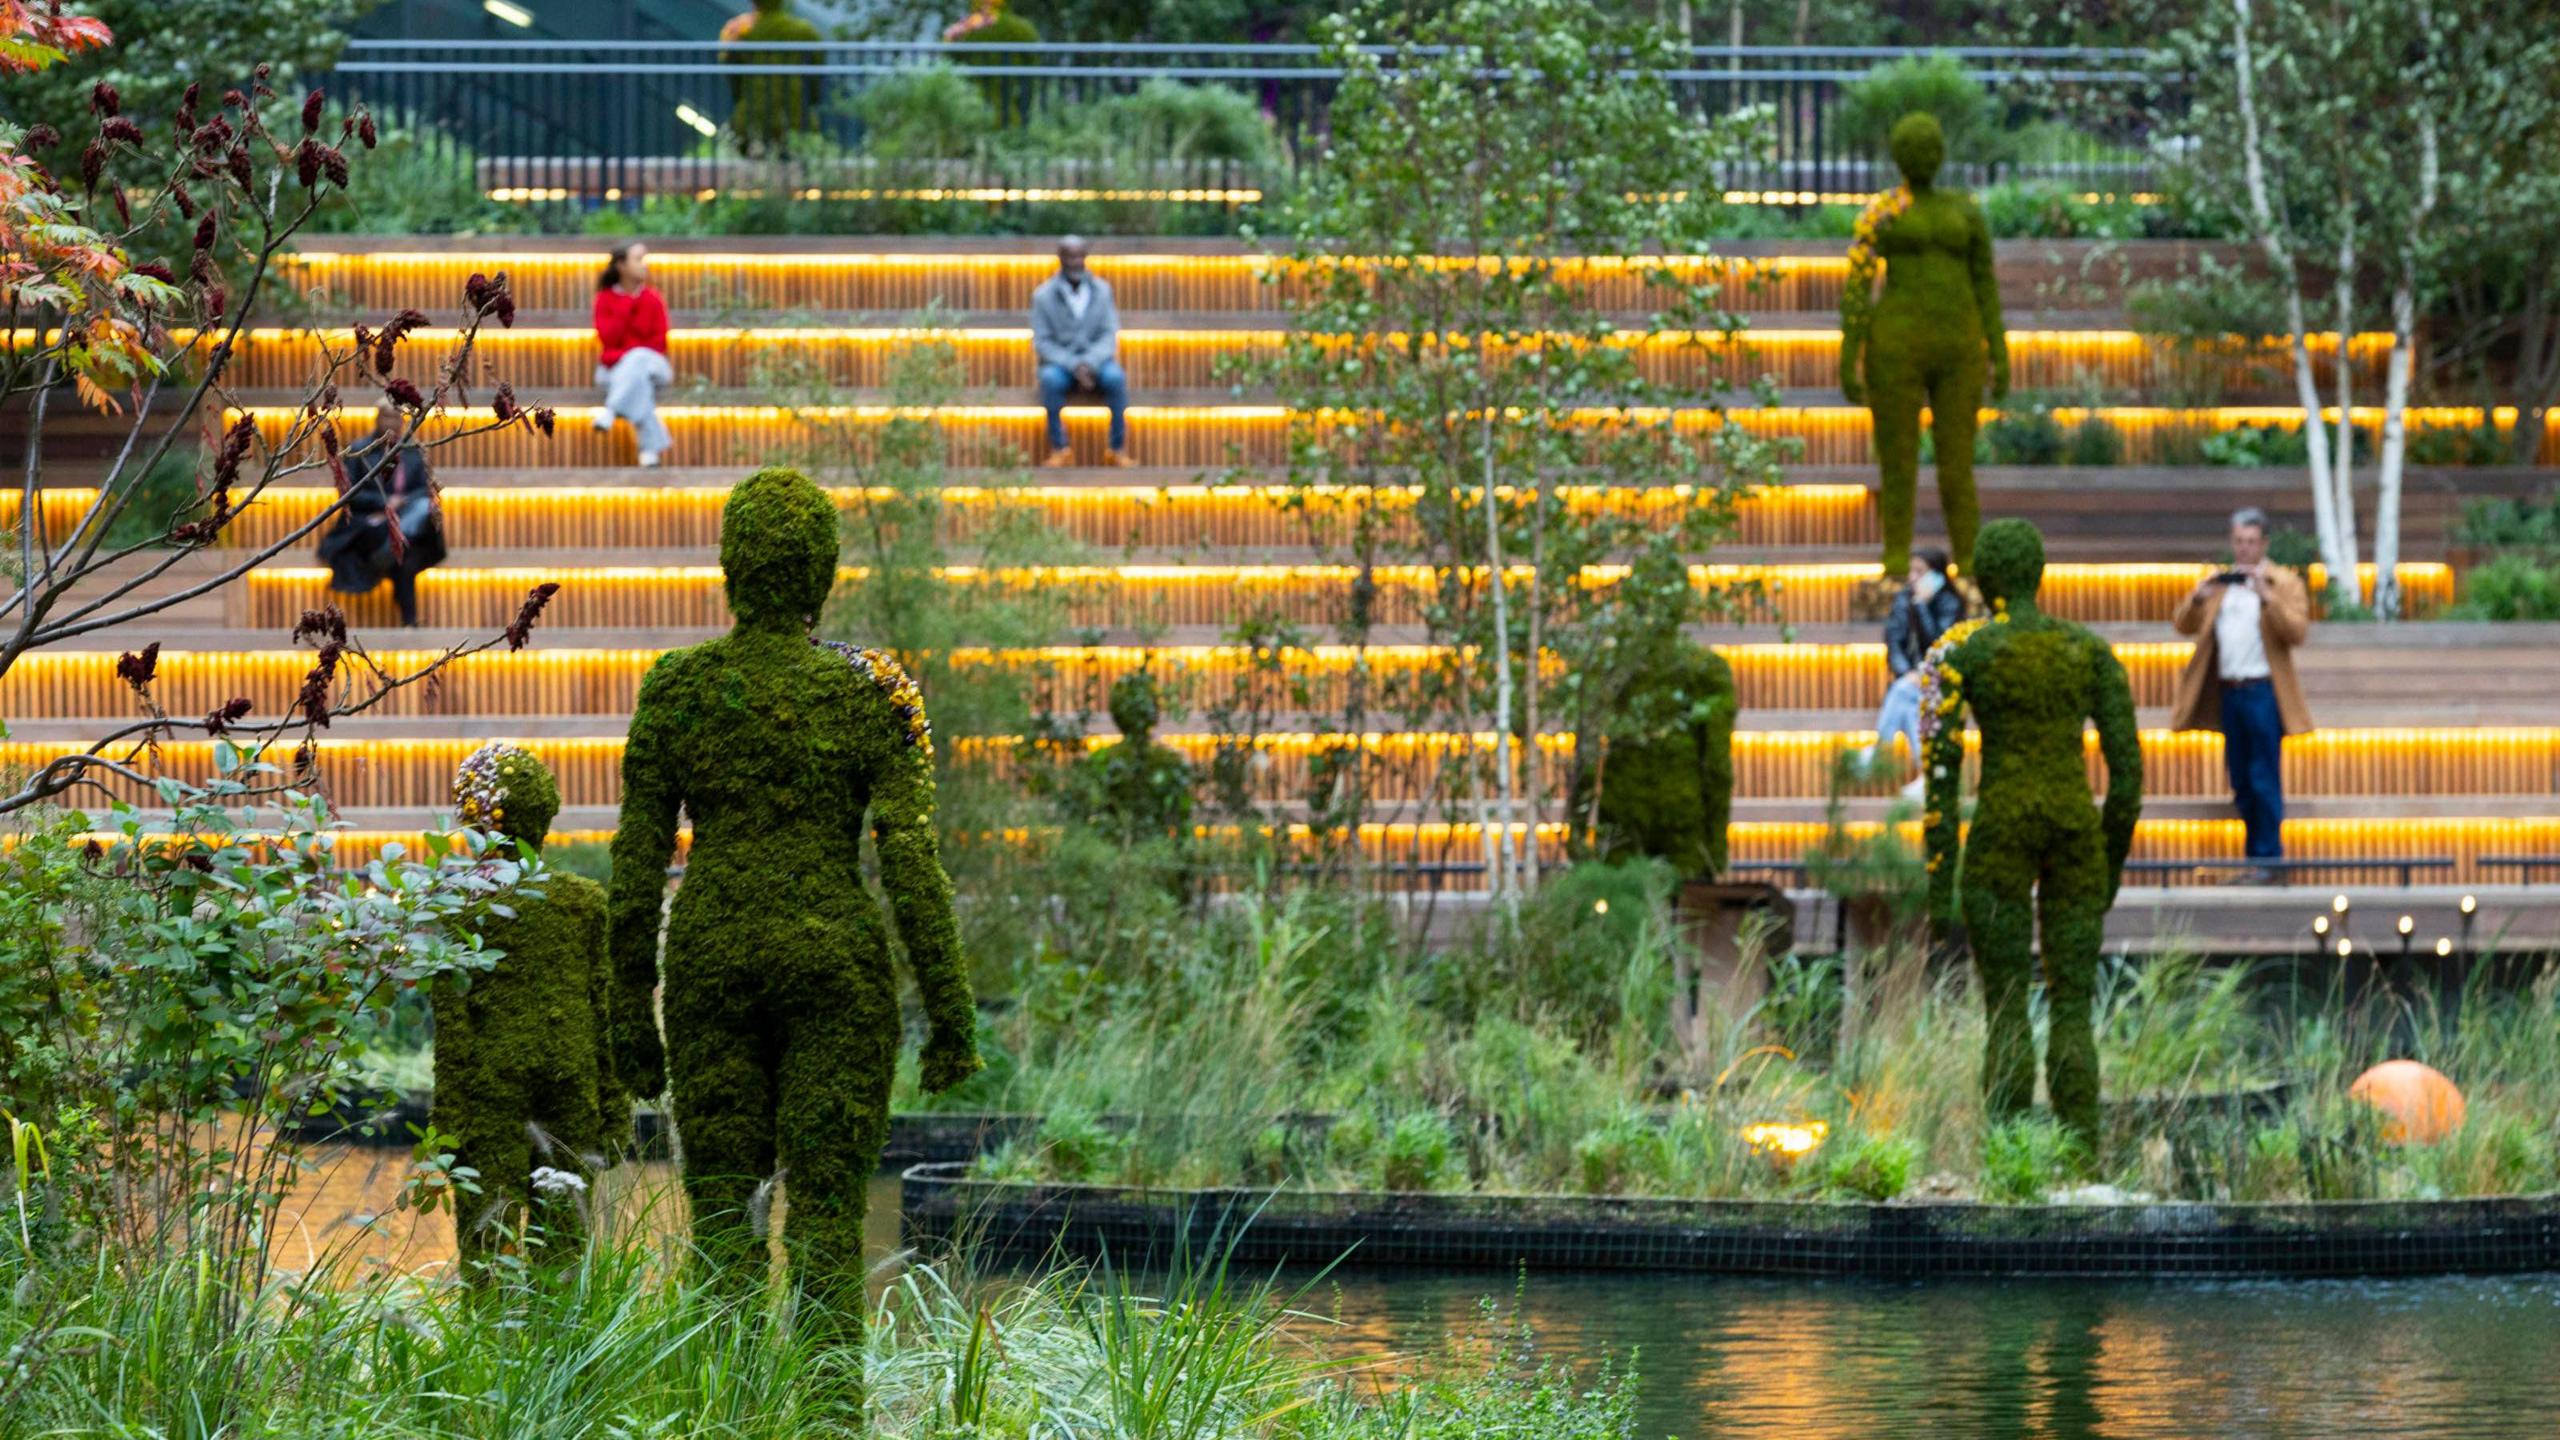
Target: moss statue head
column 1919, row 147
column 506, row 790
column 778, row 550
column 2008, row 561
column 1133, row 705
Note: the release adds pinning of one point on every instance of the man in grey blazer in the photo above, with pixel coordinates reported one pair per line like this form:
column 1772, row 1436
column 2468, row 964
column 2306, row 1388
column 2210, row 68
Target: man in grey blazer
column 1075, row 333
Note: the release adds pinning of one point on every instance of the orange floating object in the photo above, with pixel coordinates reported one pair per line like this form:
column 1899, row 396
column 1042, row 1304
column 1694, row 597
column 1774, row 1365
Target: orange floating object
column 2419, row 1105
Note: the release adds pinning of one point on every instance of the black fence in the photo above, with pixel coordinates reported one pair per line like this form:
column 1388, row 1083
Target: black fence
column 611, row 121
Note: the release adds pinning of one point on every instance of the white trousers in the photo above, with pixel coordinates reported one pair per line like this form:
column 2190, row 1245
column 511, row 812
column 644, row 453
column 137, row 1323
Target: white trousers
column 631, row 385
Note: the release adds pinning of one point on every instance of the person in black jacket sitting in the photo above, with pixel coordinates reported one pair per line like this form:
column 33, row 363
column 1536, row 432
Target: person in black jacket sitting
column 392, row 527
column 1925, row 608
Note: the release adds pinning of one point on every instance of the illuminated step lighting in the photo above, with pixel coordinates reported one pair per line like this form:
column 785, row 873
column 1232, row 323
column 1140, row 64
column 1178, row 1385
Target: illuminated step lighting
column 873, row 281
column 1208, row 594
column 75, row 685
column 1786, row 842
column 1411, row 766
column 515, row 15
column 1214, row 436
column 1195, row 359
column 536, row 517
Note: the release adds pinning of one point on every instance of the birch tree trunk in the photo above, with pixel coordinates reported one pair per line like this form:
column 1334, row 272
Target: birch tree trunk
column 2271, row 239
column 1505, row 775
column 2343, row 450
column 2395, row 397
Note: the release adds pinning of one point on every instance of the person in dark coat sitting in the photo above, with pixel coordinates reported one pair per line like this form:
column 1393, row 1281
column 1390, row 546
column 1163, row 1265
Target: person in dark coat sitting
column 1925, row 608
column 392, row 527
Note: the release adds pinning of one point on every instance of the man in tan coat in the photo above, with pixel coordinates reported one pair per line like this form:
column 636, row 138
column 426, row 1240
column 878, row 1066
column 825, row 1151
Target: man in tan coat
column 2246, row 621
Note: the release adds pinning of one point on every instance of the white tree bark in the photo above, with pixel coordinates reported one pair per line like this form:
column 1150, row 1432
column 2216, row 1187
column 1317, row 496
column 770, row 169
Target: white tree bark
column 1505, row 774
column 2395, row 398
column 2342, row 449
column 2272, row 239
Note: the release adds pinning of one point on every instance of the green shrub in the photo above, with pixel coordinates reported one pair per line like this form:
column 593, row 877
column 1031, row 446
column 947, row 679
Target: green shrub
column 1934, row 84
column 1178, row 121
column 2053, row 210
column 2293, row 549
column 164, row 490
column 2528, row 525
column 418, row 181
column 1876, row 1167
column 2457, row 445
column 2023, row 433
column 1419, row 1153
column 928, row 112
column 2255, row 446
column 2096, row 443
column 2510, row 586
column 1267, row 1154
column 1075, row 1146
column 2024, row 1160
column 1352, row 1140
column 1618, row 1155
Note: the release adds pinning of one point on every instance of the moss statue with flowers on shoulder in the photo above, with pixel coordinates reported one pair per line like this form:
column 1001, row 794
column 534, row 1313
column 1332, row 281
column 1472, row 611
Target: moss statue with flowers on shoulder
column 521, row 1080
column 782, row 1008
column 1931, row 340
column 2040, row 849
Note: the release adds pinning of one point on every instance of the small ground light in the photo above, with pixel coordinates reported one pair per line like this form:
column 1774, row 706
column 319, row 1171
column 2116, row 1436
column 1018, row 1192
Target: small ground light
column 1600, row 907
column 2320, row 926
column 2407, row 924
column 2338, row 903
column 2345, row 947
column 2444, row 946
column 2470, row 904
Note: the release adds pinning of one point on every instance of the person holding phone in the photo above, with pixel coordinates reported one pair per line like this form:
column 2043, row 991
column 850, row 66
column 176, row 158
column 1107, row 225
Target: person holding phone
column 2246, row 620
column 1925, row 608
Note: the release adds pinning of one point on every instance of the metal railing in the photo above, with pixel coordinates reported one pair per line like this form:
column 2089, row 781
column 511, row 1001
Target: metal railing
column 577, row 120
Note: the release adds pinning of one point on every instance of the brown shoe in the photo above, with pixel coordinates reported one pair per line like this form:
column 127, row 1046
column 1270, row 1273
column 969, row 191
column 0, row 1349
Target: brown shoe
column 1059, row 460
column 1119, row 459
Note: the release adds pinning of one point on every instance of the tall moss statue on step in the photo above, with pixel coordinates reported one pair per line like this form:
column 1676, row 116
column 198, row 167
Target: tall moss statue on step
column 782, row 1010
column 768, row 112
column 2040, row 849
column 521, row 1079
column 1658, row 780
column 1930, row 340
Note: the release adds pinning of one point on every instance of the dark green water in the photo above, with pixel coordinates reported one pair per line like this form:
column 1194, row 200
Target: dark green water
column 1726, row 1358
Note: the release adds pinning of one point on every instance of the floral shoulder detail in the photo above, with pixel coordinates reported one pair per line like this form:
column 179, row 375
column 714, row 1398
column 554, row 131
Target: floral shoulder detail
column 1941, row 684
column 883, row 670
column 1865, row 263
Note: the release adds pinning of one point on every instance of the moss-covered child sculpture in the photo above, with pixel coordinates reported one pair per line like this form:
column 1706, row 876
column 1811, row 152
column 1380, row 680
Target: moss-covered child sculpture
column 1135, row 789
column 1661, row 783
column 2040, row 850
column 1928, row 341
column 521, row 1077
column 782, row 1010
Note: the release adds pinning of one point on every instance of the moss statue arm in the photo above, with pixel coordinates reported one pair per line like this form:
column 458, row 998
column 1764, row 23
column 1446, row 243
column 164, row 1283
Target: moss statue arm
column 643, row 842
column 1857, row 317
column 1986, row 299
column 2120, row 745
column 1715, row 760
column 596, row 938
column 1942, row 769
column 920, row 893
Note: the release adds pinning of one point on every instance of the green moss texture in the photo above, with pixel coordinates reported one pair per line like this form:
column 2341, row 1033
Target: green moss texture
column 769, row 111
column 1135, row 789
column 2040, row 850
column 781, row 1005
column 1931, row 340
column 1664, row 780
column 521, row 1081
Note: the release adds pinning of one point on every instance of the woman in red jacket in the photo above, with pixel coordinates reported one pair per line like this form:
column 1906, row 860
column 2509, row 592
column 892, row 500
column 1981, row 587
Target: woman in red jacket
column 631, row 360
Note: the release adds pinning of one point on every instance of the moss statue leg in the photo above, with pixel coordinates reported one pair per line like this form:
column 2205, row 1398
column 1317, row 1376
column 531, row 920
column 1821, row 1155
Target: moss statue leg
column 1955, row 412
column 489, row 1128
column 1894, row 394
column 2073, row 906
column 837, row 1064
column 723, row 1100
column 1999, row 915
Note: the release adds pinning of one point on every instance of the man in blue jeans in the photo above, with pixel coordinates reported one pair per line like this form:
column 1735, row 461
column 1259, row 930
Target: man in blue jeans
column 2239, row 680
column 1075, row 335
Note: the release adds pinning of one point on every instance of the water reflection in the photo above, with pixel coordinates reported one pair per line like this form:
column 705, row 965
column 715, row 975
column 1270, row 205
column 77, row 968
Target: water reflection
column 2461, row 1359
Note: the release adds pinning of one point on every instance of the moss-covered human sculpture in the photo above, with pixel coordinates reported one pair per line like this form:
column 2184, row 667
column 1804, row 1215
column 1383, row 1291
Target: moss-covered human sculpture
column 2040, row 850
column 1135, row 789
column 521, row 1077
column 769, row 111
column 782, row 1012
column 1660, row 783
column 1928, row 341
